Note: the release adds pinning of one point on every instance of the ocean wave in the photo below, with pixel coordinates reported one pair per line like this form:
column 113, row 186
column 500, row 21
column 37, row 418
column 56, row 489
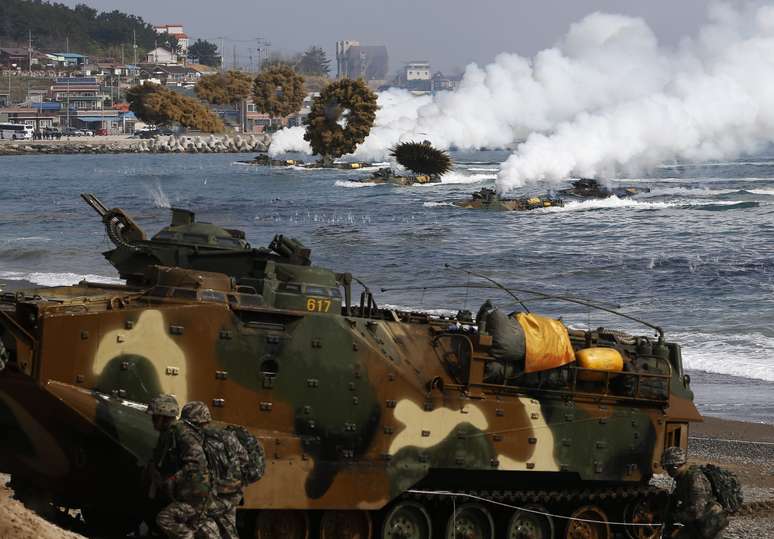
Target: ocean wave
column 436, row 204
column 686, row 191
column 767, row 192
column 25, row 238
column 482, row 169
column 726, row 205
column 353, row 184
column 612, row 202
column 744, row 355
column 57, row 279
column 456, row 177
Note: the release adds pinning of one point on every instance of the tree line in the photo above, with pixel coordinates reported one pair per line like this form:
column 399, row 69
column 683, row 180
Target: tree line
column 87, row 30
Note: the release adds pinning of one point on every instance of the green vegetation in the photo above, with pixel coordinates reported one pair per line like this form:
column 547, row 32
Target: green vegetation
column 155, row 104
column 278, row 91
column 341, row 118
column 314, row 61
column 206, row 52
column 224, row 88
column 88, row 30
column 422, row 158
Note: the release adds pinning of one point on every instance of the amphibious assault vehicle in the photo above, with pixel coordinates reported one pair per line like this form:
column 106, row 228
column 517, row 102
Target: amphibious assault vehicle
column 376, row 422
column 386, row 175
column 591, row 188
column 264, row 160
column 488, row 199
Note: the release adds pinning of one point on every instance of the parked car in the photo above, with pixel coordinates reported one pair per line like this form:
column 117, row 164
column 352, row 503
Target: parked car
column 103, row 132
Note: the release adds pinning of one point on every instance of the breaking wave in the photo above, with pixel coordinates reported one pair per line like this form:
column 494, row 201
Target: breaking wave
column 745, row 355
column 57, row 279
column 437, row 204
column 456, row 177
column 353, row 184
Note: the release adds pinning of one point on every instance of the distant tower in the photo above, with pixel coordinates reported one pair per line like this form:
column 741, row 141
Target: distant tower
column 342, row 57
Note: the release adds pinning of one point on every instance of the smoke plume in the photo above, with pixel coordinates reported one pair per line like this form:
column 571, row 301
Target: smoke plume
column 607, row 98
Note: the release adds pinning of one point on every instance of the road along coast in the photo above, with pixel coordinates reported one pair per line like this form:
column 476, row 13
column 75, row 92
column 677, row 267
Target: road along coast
column 161, row 144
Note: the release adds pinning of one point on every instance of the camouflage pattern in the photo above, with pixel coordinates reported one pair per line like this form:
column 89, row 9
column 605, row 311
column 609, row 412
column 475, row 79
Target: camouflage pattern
column 354, row 404
column 196, row 412
column 591, row 188
column 489, row 199
column 165, row 406
column 694, row 505
column 673, row 456
column 180, row 520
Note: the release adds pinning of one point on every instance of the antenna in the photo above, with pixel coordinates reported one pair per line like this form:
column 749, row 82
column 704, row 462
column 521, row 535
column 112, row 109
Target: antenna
column 498, row 285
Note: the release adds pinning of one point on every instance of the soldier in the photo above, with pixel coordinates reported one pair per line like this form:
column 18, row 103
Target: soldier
column 226, row 459
column 179, row 469
column 693, row 503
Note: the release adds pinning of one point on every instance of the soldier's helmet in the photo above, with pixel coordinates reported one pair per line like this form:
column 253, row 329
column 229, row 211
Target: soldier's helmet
column 196, row 412
column 673, row 456
column 164, row 405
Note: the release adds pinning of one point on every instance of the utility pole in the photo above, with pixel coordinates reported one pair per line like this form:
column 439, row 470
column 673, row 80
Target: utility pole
column 134, row 49
column 234, row 64
column 29, row 52
column 221, row 54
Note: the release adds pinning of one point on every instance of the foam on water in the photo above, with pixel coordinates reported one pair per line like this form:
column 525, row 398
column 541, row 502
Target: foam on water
column 612, row 202
column 458, row 177
column 746, row 355
column 354, row 185
column 686, row 191
column 767, row 192
column 436, row 204
column 157, row 194
column 57, row 279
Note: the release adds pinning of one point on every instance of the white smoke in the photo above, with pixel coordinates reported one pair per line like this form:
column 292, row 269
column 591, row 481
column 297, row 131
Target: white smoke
column 606, row 98
column 714, row 103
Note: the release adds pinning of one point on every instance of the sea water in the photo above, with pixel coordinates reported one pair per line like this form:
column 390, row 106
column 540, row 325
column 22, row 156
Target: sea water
column 694, row 255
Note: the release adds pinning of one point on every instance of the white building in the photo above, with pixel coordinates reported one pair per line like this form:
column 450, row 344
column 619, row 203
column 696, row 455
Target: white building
column 177, row 31
column 416, row 71
column 161, row 56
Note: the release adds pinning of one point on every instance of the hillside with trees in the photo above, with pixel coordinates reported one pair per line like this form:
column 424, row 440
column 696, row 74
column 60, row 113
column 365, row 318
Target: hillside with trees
column 88, row 30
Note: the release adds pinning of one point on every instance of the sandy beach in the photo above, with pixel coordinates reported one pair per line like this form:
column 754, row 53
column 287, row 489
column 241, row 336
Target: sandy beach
column 745, row 448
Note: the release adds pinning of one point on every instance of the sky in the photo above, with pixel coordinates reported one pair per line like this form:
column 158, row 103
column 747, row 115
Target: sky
column 448, row 33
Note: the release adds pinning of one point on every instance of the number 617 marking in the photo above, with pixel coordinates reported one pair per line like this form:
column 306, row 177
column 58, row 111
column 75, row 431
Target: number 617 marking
column 318, row 305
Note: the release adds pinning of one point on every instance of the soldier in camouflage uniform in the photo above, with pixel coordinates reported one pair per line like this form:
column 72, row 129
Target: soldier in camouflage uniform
column 228, row 486
column 693, row 503
column 179, row 470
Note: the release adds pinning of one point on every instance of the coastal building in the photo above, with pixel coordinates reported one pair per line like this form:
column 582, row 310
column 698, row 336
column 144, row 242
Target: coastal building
column 441, row 82
column 416, row 76
column 35, row 117
column 161, row 56
column 81, row 93
column 67, row 59
column 178, row 32
column 17, row 57
column 168, row 75
column 369, row 62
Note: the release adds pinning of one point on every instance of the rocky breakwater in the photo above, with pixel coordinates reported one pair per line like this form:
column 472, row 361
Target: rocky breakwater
column 206, row 144
column 162, row 144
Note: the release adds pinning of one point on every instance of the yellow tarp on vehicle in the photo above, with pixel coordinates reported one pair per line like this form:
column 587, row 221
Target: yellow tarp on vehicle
column 547, row 343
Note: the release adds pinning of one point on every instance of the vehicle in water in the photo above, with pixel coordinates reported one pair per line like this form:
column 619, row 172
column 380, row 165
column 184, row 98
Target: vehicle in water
column 263, row 159
column 376, row 422
column 591, row 188
column 386, row 175
column 489, row 199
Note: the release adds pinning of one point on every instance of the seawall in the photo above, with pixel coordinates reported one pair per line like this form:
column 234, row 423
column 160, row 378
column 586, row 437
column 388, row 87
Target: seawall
column 162, row 144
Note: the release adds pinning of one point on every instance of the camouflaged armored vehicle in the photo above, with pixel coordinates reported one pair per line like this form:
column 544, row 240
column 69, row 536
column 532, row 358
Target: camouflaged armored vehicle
column 591, row 188
column 489, row 199
column 373, row 419
column 386, row 175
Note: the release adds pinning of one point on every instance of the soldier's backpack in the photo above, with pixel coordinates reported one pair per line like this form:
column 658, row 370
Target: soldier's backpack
column 725, row 487
column 223, row 459
column 253, row 470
